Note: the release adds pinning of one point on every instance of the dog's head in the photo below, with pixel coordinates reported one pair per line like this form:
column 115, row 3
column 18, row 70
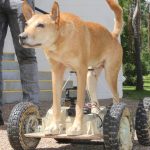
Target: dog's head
column 41, row 30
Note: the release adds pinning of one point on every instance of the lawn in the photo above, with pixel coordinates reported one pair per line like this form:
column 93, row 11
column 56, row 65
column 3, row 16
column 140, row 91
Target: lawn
column 131, row 93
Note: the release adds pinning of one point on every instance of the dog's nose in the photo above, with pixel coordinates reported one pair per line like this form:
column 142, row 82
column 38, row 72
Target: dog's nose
column 23, row 37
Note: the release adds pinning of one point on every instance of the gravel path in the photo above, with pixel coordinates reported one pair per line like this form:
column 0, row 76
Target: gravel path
column 51, row 144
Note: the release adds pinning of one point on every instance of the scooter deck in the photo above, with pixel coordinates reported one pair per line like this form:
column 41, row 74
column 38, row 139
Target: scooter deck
column 65, row 136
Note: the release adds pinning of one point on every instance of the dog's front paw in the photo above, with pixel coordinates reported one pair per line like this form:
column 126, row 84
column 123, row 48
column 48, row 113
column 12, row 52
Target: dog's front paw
column 54, row 129
column 74, row 130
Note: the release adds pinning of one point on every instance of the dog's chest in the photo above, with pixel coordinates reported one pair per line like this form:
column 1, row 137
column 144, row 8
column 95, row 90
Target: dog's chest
column 64, row 58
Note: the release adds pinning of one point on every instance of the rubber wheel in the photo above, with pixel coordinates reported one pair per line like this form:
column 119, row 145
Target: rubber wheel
column 142, row 124
column 116, row 128
column 23, row 119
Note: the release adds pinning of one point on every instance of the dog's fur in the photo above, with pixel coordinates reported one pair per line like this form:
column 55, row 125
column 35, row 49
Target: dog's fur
column 71, row 42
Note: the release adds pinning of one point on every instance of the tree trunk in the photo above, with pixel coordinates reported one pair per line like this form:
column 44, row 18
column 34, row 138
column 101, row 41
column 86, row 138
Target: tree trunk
column 137, row 45
column 130, row 29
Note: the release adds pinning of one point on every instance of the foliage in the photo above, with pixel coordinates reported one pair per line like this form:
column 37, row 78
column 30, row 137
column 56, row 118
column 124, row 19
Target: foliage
column 129, row 73
column 145, row 55
column 131, row 93
column 127, row 42
column 146, row 62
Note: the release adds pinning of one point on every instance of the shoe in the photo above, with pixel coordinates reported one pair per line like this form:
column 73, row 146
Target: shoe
column 1, row 119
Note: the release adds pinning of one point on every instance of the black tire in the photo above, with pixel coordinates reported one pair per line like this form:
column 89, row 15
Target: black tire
column 17, row 126
column 111, row 127
column 142, row 125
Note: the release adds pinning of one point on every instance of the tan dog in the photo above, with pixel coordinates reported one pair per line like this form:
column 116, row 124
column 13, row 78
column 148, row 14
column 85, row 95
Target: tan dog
column 70, row 42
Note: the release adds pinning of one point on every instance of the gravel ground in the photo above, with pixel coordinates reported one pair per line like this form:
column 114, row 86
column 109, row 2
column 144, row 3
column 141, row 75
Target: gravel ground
column 51, row 144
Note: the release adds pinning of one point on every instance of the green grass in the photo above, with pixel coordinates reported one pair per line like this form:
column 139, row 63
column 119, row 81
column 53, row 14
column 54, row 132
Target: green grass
column 131, row 93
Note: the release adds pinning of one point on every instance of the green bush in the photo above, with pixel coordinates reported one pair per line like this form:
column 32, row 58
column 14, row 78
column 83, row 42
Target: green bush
column 129, row 73
column 146, row 62
column 145, row 68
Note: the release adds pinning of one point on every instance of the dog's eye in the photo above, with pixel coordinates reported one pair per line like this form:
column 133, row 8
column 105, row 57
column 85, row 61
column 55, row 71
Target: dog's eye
column 40, row 25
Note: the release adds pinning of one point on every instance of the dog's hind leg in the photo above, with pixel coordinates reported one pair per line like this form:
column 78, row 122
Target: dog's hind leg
column 92, row 79
column 76, row 128
column 57, row 82
column 111, row 75
column 91, row 84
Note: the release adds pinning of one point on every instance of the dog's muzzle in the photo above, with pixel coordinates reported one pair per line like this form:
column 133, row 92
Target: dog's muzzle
column 22, row 38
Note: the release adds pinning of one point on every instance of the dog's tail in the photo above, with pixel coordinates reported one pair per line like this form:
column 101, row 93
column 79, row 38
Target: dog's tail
column 118, row 17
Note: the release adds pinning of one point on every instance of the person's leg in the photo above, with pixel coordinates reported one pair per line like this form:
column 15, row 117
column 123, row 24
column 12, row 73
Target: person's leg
column 26, row 58
column 3, row 31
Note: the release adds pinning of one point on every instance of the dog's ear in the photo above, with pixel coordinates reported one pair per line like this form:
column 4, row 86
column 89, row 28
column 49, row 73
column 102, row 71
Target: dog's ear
column 55, row 12
column 27, row 10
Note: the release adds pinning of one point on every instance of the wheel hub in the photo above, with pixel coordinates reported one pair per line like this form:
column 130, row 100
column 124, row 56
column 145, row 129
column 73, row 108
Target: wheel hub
column 31, row 124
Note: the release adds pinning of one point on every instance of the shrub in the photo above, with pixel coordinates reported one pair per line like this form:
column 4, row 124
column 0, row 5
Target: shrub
column 129, row 73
